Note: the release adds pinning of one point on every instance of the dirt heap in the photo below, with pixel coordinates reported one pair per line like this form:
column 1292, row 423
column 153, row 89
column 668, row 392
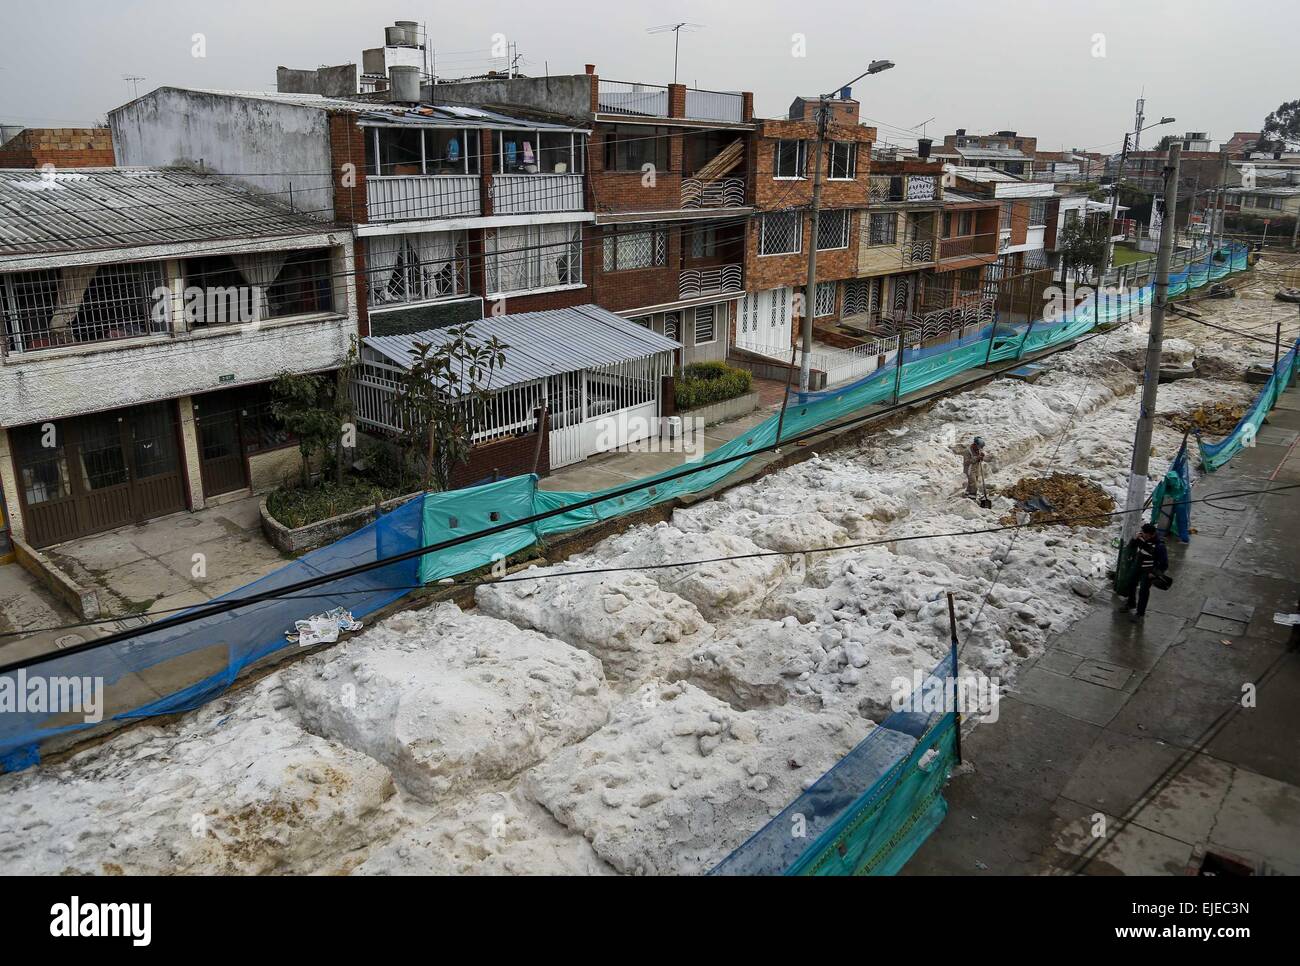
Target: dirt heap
column 1071, row 497
column 1213, row 418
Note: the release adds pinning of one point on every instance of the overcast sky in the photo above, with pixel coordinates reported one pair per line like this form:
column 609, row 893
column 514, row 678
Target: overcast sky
column 1027, row 65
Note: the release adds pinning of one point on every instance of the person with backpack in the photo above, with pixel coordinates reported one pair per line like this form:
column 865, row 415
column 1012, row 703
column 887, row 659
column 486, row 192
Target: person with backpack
column 971, row 458
column 1150, row 558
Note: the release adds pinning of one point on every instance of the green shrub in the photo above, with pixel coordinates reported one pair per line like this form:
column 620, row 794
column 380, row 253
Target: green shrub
column 297, row 506
column 705, row 383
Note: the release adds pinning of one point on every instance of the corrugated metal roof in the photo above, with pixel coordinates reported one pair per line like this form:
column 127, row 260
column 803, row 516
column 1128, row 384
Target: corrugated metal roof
column 89, row 209
column 995, row 154
column 544, row 343
column 434, row 115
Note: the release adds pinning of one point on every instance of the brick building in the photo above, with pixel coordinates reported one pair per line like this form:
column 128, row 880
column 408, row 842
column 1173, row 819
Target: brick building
column 62, row 147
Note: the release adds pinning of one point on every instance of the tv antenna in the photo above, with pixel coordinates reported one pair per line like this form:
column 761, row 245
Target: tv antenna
column 921, row 126
column 134, row 80
column 677, row 29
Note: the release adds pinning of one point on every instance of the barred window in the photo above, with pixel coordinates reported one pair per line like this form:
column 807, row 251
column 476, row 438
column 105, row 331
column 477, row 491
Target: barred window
column 884, row 229
column 534, row 256
column 825, row 299
column 626, row 250
column 705, row 327
column 832, row 229
column 842, row 160
column 1006, row 215
column 672, row 325
column 782, row 233
column 416, row 267
column 1038, row 211
column 791, row 159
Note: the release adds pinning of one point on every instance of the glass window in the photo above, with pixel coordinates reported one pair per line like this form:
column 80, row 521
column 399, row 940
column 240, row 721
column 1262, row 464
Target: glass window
column 842, row 162
column 782, row 233
column 884, row 228
column 303, row 285
column 825, row 297
column 398, row 151
column 534, row 256
column 628, row 147
column 790, row 159
column 451, row 151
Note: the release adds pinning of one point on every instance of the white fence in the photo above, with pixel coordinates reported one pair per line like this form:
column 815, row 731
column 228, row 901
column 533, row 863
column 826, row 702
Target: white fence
column 721, row 193
column 622, row 97
column 405, row 197
column 526, row 193
column 695, row 282
column 715, row 105
column 841, row 365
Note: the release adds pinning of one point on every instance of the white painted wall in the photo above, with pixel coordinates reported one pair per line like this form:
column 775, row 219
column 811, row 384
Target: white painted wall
column 272, row 147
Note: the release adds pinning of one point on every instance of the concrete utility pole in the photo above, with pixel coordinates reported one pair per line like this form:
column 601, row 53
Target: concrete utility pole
column 1137, row 476
column 810, row 297
column 810, row 294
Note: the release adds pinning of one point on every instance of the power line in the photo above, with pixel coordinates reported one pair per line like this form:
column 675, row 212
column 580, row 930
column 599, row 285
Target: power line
column 629, row 568
column 604, row 497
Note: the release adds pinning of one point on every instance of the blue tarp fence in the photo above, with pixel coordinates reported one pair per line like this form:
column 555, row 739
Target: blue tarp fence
column 178, row 669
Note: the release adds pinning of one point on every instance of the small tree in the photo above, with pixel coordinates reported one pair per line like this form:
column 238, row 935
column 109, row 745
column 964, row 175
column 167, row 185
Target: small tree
column 1083, row 246
column 304, row 403
column 1281, row 129
column 345, row 410
column 443, row 396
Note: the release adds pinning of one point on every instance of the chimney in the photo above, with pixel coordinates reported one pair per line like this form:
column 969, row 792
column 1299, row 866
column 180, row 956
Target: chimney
column 923, row 148
column 591, row 68
column 961, row 132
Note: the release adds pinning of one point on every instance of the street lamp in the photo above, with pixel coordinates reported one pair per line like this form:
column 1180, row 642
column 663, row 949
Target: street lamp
column 1114, row 201
column 810, row 295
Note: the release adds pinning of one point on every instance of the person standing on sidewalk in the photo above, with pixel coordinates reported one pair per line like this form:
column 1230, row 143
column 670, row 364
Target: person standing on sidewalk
column 1150, row 557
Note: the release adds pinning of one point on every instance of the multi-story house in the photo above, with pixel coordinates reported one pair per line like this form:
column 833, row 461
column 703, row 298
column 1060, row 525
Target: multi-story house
column 457, row 211
column 782, row 155
column 670, row 193
column 144, row 313
column 1004, row 150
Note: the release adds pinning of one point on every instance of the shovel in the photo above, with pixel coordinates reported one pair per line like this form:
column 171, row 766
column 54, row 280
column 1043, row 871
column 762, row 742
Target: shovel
column 984, row 502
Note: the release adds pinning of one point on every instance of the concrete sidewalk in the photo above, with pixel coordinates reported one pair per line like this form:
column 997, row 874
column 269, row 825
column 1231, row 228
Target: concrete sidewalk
column 1125, row 749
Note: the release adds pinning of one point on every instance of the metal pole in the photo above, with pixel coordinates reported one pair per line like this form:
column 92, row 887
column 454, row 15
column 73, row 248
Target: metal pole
column 810, row 296
column 898, row 367
column 956, row 710
column 1114, row 209
column 789, row 374
column 1277, row 346
column 1137, row 477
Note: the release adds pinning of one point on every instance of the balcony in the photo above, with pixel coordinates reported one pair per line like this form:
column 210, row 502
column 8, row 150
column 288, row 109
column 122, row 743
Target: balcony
column 716, row 193
column 902, row 188
column 715, row 105
column 514, row 194
column 651, row 100
column 624, row 97
column 413, row 197
column 717, row 280
column 965, row 246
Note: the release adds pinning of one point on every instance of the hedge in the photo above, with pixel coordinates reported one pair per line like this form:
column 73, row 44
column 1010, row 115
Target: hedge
column 705, row 383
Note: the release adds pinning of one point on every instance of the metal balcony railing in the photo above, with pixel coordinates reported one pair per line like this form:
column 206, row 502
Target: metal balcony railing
column 721, row 279
column 917, row 251
column 719, row 193
column 624, row 97
column 525, row 193
column 715, row 105
column 414, row 196
column 895, row 188
column 959, row 247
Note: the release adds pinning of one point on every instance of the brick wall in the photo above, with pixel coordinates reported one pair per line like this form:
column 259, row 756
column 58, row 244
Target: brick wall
column 768, row 192
column 348, row 146
column 632, row 288
column 506, row 457
column 763, row 272
column 63, row 147
column 611, row 191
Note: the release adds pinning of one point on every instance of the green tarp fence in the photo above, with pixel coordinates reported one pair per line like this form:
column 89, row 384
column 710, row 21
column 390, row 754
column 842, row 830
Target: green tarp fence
column 1214, row 455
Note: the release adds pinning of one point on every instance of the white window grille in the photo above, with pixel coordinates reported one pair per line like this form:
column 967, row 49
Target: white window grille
column 782, row 233
column 416, row 267
column 1038, row 212
column 533, row 256
column 856, row 296
column 790, row 160
column 749, row 315
column 832, row 230
column 705, row 325
column 625, row 250
column 672, row 325
column 825, row 298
